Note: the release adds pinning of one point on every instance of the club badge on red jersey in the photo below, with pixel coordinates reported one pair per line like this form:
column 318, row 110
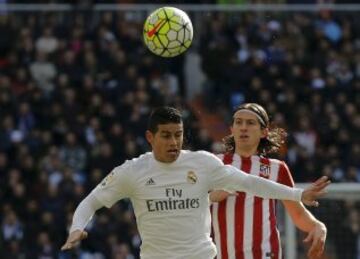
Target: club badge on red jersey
column 264, row 170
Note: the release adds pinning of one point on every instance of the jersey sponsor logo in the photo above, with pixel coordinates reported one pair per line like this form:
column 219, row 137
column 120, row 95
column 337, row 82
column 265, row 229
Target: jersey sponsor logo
column 150, row 182
column 174, row 201
column 191, row 177
column 264, row 170
column 172, row 204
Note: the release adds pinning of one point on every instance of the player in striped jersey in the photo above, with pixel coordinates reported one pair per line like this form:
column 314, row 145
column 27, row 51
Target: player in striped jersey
column 244, row 226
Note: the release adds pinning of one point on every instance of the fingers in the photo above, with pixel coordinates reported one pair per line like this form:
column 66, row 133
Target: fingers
column 314, row 204
column 308, row 237
column 321, row 250
column 320, row 186
column 310, row 201
column 314, row 246
column 320, row 194
column 84, row 235
column 317, row 238
column 318, row 191
column 315, row 196
column 315, row 191
column 67, row 246
column 74, row 239
column 321, row 180
column 316, row 249
column 312, row 253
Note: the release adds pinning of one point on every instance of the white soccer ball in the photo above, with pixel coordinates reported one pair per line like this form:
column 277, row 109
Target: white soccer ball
column 168, row 32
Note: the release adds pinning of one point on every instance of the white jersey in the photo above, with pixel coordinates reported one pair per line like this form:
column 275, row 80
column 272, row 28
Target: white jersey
column 171, row 201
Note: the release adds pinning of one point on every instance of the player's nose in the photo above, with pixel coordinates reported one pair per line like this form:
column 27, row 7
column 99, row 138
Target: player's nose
column 243, row 128
column 173, row 141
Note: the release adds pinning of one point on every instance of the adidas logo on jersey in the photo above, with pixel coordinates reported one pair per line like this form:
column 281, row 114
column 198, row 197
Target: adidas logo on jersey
column 150, row 182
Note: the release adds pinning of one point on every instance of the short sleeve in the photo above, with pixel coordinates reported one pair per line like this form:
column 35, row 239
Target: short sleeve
column 115, row 186
column 285, row 175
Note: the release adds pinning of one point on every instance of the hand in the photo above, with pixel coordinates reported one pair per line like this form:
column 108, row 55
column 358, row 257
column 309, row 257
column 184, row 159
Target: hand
column 217, row 196
column 74, row 239
column 315, row 191
column 317, row 238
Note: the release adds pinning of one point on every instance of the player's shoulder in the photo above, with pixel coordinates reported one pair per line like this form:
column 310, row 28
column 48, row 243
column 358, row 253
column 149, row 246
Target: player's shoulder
column 134, row 164
column 201, row 157
column 274, row 161
column 141, row 161
column 200, row 154
column 284, row 173
column 220, row 156
column 283, row 167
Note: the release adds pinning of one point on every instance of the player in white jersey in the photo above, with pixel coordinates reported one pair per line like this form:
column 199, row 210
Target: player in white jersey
column 244, row 226
column 169, row 187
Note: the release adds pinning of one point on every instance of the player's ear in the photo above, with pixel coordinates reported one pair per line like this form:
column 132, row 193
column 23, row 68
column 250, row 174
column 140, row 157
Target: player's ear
column 149, row 136
column 264, row 132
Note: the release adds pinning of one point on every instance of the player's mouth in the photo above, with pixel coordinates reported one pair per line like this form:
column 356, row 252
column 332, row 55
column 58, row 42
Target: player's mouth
column 244, row 137
column 173, row 152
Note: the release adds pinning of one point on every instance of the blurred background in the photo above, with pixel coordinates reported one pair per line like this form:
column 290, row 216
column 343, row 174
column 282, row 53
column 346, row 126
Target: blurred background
column 77, row 86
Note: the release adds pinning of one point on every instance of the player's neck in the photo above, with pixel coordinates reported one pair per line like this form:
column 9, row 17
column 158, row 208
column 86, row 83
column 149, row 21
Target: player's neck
column 246, row 152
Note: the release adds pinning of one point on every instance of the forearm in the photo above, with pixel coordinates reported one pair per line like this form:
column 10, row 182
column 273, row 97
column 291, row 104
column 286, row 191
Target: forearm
column 264, row 188
column 306, row 222
column 84, row 212
column 302, row 218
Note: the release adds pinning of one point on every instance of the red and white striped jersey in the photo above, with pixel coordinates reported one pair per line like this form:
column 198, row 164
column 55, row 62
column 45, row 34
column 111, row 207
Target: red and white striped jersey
column 244, row 226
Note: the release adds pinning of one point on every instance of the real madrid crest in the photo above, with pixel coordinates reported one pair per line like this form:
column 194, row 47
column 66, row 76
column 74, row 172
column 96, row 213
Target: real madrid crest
column 191, row 177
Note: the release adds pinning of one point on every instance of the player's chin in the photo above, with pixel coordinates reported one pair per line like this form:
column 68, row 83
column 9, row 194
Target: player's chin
column 172, row 156
column 243, row 141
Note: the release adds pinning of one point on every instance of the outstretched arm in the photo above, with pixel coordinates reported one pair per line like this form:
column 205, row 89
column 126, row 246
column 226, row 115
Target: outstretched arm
column 82, row 216
column 304, row 220
column 232, row 179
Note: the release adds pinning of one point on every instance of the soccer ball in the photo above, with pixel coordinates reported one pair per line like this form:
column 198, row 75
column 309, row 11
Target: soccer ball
column 168, row 32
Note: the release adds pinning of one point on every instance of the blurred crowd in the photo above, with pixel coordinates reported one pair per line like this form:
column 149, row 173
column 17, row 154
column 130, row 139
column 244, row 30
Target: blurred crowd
column 76, row 90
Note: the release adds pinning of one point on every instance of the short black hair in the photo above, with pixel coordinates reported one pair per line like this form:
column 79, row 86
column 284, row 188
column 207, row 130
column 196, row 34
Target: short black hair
column 163, row 115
